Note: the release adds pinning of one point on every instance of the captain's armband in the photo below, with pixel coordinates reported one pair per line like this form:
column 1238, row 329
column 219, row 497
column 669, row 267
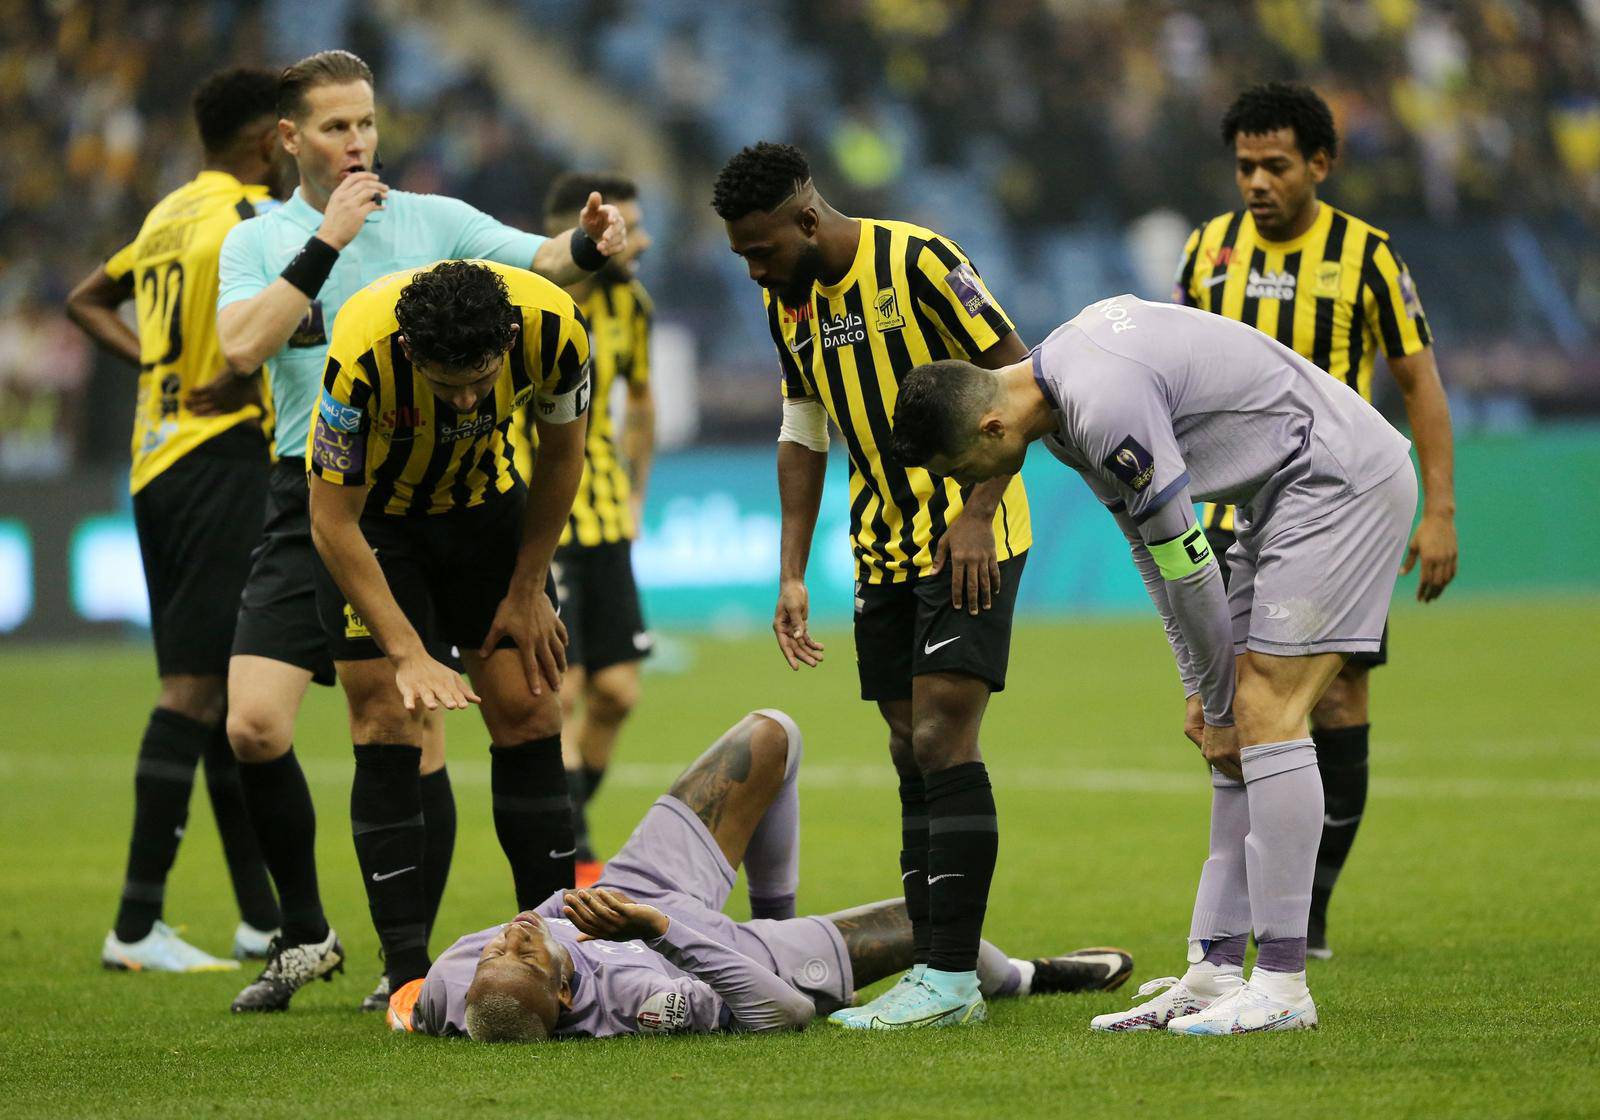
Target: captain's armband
column 1183, row 555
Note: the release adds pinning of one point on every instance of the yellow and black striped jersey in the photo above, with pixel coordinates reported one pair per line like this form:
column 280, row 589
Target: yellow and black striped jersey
column 619, row 318
column 1335, row 294
column 170, row 269
column 379, row 424
column 909, row 298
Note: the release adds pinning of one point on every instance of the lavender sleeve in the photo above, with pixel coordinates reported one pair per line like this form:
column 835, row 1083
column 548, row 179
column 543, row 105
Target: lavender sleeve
column 756, row 997
column 1156, row 588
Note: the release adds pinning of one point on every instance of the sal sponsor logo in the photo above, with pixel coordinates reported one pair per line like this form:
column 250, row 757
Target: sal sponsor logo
column 340, row 452
column 1219, row 258
column 1269, row 285
column 663, row 1013
column 886, row 308
column 964, row 282
column 1131, row 463
column 843, row 330
column 400, row 423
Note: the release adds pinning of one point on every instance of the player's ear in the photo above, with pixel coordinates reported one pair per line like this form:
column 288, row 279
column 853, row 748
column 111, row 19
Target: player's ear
column 1319, row 165
column 288, row 136
column 807, row 220
column 405, row 346
column 992, row 424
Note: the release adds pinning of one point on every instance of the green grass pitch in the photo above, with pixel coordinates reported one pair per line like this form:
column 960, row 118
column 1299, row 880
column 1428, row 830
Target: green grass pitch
column 1466, row 927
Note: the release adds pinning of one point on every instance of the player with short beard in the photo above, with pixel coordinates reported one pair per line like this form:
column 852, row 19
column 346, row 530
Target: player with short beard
column 282, row 285
column 853, row 304
column 431, row 539
column 1333, row 289
column 650, row 951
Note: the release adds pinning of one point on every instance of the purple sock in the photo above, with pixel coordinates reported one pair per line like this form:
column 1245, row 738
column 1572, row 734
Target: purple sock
column 1280, row 954
column 1227, row 952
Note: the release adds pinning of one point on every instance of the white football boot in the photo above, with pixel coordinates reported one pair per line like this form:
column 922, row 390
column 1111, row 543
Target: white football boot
column 252, row 944
column 1198, row 989
column 1271, row 1001
column 160, row 950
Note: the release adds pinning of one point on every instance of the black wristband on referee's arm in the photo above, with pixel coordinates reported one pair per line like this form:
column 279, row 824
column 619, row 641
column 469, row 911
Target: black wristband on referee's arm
column 585, row 253
column 311, row 265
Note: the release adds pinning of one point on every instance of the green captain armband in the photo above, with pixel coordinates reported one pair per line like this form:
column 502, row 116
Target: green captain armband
column 1182, row 556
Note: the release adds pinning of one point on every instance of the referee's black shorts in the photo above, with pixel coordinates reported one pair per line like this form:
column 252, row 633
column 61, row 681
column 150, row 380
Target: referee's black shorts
column 448, row 572
column 197, row 522
column 907, row 629
column 1221, row 540
column 278, row 613
column 600, row 605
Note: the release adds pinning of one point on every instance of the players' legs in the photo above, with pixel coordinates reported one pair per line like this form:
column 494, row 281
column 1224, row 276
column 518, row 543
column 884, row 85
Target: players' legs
column 913, row 825
column 532, row 809
column 1340, row 727
column 1284, row 794
column 438, row 814
column 590, row 731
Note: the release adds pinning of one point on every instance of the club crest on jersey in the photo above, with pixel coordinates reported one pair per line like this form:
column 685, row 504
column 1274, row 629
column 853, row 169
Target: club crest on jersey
column 887, row 308
column 1131, row 463
column 843, row 330
column 663, row 1013
column 353, row 626
column 964, row 283
column 1270, row 285
column 524, row 394
column 1329, row 274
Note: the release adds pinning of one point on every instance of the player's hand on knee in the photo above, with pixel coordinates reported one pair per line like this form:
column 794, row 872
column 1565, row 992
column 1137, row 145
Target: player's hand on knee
column 424, row 682
column 531, row 622
column 968, row 547
column 606, row 915
column 1194, row 720
column 1220, row 745
column 790, row 622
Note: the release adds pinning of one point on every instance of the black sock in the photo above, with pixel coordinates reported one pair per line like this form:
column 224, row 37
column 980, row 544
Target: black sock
column 391, row 847
column 963, row 840
column 285, row 824
column 533, row 817
column 252, row 887
column 439, row 820
column 914, row 862
column 592, row 776
column 162, row 781
column 1342, row 761
column 578, row 790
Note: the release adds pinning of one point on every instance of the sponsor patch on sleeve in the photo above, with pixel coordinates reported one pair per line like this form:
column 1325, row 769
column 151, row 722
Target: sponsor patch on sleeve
column 338, row 452
column 1408, row 294
column 964, row 283
column 1131, row 463
column 339, row 416
column 664, row 1013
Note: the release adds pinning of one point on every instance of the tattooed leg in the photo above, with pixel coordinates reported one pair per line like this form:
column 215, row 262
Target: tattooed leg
column 730, row 786
column 877, row 937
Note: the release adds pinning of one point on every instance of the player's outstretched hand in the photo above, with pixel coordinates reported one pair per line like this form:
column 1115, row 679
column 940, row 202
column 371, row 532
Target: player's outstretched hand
column 1434, row 544
column 602, row 914
column 968, row 547
column 1194, row 720
column 604, row 225
column 227, row 392
column 789, row 623
column 1220, row 745
column 529, row 619
column 360, row 194
column 430, row 684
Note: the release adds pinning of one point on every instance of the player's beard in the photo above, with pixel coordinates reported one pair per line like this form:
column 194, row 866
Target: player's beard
column 807, row 271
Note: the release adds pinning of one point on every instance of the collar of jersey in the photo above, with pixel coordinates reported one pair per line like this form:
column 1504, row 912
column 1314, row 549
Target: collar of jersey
column 863, row 254
column 304, row 214
column 1318, row 228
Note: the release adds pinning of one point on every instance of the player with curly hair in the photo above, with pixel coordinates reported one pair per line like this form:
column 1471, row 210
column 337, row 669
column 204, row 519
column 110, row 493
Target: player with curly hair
column 431, row 539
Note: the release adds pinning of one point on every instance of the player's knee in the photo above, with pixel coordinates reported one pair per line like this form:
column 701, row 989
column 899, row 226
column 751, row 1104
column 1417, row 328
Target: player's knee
column 939, row 742
column 1344, row 704
column 522, row 719
column 1261, row 713
column 610, row 697
column 201, row 699
column 774, row 742
column 258, row 735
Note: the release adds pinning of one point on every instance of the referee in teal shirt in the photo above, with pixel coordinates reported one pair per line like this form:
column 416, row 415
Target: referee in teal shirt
column 284, row 277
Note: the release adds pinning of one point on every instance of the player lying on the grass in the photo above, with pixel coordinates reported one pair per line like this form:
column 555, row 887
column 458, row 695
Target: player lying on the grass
column 1158, row 406
column 648, row 950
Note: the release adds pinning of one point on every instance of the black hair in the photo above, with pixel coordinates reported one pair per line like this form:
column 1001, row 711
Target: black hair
column 937, row 410
column 457, row 314
column 567, row 194
column 325, row 68
column 1274, row 105
column 758, row 178
column 231, row 99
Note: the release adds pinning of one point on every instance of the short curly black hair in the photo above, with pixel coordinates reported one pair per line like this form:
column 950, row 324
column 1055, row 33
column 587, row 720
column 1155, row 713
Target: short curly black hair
column 457, row 314
column 1274, row 105
column 231, row 99
column 758, row 178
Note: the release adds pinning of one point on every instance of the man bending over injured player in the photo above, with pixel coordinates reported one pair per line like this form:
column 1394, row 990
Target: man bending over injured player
column 648, row 949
